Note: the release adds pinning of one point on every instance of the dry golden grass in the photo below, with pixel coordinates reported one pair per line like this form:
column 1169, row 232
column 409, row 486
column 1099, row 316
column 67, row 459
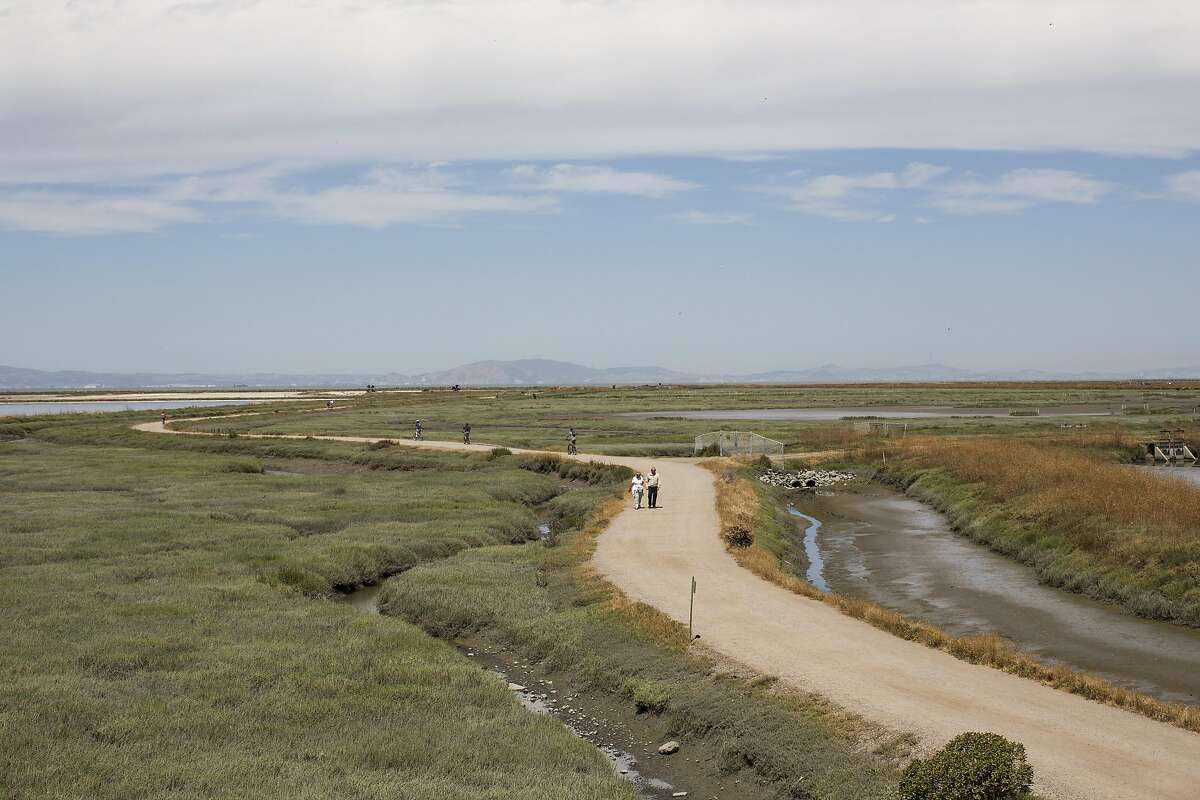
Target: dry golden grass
column 1055, row 481
column 737, row 504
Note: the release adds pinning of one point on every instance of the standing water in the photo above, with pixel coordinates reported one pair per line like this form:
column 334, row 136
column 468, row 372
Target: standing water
column 882, row 546
column 816, row 564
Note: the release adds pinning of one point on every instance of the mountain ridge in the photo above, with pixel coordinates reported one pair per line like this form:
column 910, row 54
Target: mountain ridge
column 542, row 372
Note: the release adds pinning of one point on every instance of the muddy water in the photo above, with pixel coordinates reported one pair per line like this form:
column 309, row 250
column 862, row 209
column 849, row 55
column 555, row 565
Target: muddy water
column 880, row 545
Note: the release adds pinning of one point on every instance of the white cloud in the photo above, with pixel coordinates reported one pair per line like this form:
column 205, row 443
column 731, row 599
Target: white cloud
column 382, row 197
column 860, row 198
column 51, row 212
column 710, row 218
column 853, row 198
column 576, row 178
column 1185, row 184
column 160, row 86
column 1018, row 190
column 391, row 197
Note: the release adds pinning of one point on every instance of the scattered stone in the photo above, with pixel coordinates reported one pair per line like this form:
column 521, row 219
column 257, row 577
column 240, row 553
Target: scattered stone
column 805, row 478
column 679, row 794
column 516, row 687
column 667, row 748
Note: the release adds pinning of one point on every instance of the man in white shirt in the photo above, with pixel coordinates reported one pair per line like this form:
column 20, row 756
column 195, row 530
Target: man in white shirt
column 652, row 488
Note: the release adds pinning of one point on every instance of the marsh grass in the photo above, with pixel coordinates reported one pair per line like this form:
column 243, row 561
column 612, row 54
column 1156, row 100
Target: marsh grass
column 169, row 633
column 739, row 503
column 548, row 604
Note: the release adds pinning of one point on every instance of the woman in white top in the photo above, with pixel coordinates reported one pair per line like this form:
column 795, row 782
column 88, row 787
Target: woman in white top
column 636, row 488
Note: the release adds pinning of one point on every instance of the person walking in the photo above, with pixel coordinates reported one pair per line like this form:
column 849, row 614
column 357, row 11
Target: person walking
column 417, row 432
column 466, row 433
column 636, row 488
column 652, row 488
column 164, row 419
column 571, row 448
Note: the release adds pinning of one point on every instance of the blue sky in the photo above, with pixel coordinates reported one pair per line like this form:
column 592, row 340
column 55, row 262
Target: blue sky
column 973, row 191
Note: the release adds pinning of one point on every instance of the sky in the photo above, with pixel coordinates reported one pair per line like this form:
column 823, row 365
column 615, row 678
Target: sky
column 382, row 185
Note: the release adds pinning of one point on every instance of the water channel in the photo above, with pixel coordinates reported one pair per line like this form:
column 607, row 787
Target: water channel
column 879, row 545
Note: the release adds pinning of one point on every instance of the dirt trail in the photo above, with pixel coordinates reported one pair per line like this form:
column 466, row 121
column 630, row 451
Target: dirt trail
column 1080, row 750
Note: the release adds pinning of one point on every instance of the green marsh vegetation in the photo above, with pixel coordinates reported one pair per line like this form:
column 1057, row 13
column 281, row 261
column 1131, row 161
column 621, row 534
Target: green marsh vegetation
column 545, row 604
column 169, row 631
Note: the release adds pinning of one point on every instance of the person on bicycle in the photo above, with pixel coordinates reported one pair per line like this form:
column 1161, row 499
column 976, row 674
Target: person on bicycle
column 571, row 448
column 417, row 431
column 466, row 433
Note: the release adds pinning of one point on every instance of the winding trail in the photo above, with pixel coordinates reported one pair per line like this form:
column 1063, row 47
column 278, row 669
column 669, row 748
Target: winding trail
column 1080, row 749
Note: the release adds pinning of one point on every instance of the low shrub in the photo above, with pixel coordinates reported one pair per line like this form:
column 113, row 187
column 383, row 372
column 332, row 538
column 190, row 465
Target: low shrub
column 382, row 444
column 498, row 452
column 648, row 696
column 709, row 451
column 738, row 536
column 249, row 466
column 973, row 766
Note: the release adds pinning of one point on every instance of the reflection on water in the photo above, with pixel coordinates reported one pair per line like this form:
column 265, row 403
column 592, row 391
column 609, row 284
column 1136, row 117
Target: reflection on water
column 96, row 406
column 816, row 564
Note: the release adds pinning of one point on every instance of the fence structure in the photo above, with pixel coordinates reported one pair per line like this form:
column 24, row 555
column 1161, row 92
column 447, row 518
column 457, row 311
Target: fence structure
column 739, row 443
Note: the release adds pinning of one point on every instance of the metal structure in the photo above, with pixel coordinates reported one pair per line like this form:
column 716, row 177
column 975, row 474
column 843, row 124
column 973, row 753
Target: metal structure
column 1169, row 446
column 739, row 443
column 882, row 428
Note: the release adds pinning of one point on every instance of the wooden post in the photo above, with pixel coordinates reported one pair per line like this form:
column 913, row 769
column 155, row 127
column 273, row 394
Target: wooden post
column 691, row 607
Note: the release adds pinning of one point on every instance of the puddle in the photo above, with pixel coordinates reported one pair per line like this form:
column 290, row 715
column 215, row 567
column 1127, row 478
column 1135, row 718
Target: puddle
column 816, row 564
column 364, row 598
column 883, row 546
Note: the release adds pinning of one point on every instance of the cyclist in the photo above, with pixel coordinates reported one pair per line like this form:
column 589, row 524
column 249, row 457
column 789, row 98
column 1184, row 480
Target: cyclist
column 417, row 435
column 466, row 433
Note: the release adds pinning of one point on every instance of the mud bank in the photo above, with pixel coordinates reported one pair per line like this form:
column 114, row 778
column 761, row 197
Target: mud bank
column 879, row 545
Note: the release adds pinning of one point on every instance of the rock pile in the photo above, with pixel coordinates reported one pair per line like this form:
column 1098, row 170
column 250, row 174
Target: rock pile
column 805, row 478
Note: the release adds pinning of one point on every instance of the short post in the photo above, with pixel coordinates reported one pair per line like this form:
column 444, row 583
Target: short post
column 691, row 607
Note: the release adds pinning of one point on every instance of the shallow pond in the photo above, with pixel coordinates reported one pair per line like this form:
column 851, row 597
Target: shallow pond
column 95, row 406
column 895, row 412
column 885, row 547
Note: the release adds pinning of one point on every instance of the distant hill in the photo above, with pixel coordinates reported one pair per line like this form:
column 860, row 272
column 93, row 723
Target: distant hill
column 542, row 372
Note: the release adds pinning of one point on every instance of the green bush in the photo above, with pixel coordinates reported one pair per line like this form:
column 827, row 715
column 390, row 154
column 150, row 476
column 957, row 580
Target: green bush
column 973, row 766
column 498, row 452
column 647, row 695
column 709, row 451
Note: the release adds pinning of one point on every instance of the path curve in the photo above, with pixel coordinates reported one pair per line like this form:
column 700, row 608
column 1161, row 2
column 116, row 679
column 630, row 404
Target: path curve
column 1080, row 749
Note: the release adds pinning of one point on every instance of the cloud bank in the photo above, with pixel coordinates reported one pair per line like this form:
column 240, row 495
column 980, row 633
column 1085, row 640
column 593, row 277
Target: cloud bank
column 117, row 88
